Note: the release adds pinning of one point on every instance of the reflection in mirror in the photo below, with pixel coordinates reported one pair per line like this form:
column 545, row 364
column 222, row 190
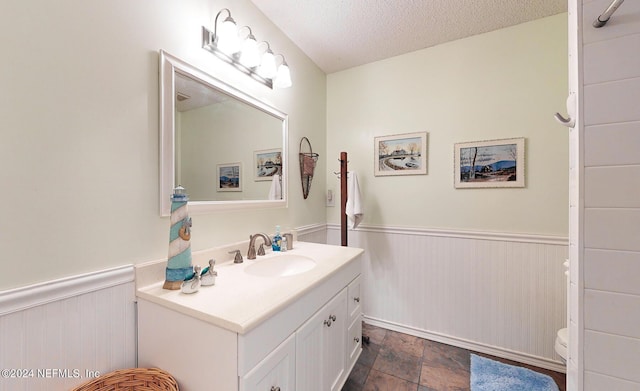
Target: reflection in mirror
column 223, row 146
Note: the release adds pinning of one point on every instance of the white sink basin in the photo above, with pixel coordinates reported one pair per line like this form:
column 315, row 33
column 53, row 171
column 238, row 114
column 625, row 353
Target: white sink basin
column 281, row 266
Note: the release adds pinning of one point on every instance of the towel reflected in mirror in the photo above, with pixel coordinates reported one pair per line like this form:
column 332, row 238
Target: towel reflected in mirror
column 275, row 191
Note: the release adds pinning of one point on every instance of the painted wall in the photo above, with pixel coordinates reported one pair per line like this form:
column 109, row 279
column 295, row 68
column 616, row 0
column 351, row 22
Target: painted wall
column 502, row 84
column 79, row 151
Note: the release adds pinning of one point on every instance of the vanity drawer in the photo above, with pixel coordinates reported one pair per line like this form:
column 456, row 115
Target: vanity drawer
column 354, row 306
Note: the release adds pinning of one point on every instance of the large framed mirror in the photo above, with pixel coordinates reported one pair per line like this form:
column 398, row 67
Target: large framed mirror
column 225, row 147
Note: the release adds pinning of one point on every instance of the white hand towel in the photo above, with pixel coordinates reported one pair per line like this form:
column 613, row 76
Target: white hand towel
column 275, row 192
column 354, row 202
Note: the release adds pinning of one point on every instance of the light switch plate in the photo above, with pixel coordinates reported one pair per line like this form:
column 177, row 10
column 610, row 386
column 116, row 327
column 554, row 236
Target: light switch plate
column 330, row 199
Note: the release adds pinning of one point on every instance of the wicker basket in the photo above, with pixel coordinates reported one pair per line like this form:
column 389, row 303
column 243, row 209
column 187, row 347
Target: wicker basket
column 133, row 379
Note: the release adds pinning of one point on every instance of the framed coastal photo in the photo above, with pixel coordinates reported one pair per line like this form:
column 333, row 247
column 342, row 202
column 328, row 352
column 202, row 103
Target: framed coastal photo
column 401, row 154
column 229, row 177
column 267, row 163
column 492, row 163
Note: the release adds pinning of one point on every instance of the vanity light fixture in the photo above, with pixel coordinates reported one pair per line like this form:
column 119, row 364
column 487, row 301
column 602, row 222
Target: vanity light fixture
column 244, row 53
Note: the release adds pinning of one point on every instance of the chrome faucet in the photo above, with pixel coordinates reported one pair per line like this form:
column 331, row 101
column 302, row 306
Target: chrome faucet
column 251, row 254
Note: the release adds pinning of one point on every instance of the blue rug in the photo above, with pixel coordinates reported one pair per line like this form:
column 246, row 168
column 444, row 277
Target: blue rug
column 490, row 375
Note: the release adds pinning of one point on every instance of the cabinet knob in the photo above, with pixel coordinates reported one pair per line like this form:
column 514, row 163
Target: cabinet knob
column 332, row 318
column 274, row 388
column 356, row 339
column 356, row 299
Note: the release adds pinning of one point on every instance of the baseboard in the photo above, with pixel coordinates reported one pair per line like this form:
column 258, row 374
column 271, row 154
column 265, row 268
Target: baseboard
column 469, row 345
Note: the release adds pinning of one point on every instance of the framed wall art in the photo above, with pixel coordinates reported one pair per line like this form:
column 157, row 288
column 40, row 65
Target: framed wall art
column 401, row 154
column 492, row 163
column 229, row 177
column 267, row 163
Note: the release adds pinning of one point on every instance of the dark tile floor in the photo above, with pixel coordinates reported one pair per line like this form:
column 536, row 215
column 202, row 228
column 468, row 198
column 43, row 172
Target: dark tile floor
column 395, row 361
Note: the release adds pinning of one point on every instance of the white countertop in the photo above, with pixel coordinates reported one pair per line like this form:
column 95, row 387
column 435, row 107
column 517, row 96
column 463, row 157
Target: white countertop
column 240, row 301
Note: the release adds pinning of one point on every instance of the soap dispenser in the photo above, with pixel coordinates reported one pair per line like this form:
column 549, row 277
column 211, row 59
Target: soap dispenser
column 277, row 240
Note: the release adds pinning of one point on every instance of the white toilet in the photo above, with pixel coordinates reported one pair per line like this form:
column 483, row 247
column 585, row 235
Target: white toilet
column 561, row 344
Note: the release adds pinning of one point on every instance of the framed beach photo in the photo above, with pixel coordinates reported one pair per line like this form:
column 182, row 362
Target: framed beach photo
column 229, row 177
column 401, row 154
column 266, row 164
column 492, row 163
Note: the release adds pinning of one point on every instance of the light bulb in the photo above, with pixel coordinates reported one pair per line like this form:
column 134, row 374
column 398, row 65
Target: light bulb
column 249, row 56
column 228, row 41
column 283, row 78
column 267, row 67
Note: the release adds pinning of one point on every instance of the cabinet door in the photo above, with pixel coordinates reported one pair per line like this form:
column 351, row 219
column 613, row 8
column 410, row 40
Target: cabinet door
column 276, row 372
column 321, row 347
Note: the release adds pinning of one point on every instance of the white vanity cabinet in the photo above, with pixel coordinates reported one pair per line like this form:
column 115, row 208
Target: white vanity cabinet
column 321, row 358
column 308, row 342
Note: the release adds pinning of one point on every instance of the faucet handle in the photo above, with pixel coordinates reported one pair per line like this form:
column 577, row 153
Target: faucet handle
column 261, row 249
column 238, row 257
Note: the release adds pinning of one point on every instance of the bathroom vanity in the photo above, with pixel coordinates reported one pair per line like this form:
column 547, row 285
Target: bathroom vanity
column 275, row 323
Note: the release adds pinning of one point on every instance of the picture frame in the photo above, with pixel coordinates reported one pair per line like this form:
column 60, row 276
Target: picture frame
column 401, row 154
column 229, row 177
column 497, row 163
column 266, row 164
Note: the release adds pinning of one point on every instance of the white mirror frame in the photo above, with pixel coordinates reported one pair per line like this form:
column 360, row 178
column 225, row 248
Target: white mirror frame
column 169, row 65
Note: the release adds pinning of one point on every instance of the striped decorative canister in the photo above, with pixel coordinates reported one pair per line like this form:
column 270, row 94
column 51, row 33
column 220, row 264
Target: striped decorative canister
column 179, row 265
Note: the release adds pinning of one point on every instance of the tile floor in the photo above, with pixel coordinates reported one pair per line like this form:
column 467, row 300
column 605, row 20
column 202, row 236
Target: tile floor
column 395, row 361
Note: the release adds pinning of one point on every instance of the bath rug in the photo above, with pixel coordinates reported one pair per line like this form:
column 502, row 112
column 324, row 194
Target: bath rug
column 490, row 375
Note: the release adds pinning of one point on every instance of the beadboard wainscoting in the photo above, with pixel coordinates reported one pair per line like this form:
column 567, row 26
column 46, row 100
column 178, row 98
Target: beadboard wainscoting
column 316, row 233
column 498, row 293
column 58, row 334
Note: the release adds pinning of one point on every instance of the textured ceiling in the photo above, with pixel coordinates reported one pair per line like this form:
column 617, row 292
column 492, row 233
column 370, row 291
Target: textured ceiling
column 341, row 34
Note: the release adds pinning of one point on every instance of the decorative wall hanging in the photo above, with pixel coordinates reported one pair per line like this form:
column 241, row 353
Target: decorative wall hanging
column 401, row 154
column 229, row 177
column 308, row 161
column 267, row 163
column 492, row 163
